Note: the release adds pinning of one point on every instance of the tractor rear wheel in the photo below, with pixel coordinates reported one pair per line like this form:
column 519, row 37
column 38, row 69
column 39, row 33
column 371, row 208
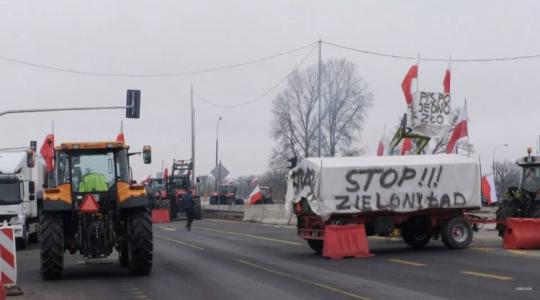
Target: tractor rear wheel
column 52, row 245
column 140, row 242
column 123, row 256
column 456, row 233
column 507, row 209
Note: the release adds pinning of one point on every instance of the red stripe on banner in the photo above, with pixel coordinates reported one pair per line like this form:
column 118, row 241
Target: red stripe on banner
column 6, row 280
column 8, row 232
column 7, row 256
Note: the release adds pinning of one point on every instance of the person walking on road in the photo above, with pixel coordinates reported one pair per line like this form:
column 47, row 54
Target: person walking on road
column 188, row 208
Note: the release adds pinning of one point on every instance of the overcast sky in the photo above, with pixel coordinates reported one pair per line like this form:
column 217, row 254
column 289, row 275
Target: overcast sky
column 177, row 36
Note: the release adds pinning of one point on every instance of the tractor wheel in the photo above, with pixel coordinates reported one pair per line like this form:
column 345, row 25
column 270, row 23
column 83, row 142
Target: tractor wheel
column 52, row 245
column 507, row 209
column 123, row 256
column 416, row 232
column 316, row 245
column 140, row 243
column 456, row 233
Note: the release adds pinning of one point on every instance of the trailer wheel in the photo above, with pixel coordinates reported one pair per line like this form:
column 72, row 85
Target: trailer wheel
column 456, row 233
column 416, row 232
column 507, row 209
column 140, row 243
column 316, row 245
column 52, row 245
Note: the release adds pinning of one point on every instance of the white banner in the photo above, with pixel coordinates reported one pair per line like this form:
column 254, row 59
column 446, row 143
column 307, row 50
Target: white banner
column 385, row 183
column 431, row 113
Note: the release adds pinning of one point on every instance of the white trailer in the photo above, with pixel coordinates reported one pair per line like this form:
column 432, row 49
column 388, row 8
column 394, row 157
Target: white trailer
column 21, row 184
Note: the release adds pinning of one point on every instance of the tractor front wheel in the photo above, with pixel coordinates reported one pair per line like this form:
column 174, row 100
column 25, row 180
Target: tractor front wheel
column 316, row 245
column 52, row 245
column 140, row 242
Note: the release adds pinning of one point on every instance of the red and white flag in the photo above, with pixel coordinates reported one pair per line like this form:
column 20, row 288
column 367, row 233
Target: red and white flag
column 446, row 80
column 47, row 152
column 406, row 146
column 255, row 196
column 165, row 173
column 488, row 189
column 460, row 131
column 407, row 83
column 254, row 181
column 120, row 137
column 380, row 148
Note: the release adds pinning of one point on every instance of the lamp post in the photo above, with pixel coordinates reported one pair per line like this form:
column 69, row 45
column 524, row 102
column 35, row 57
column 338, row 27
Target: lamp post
column 493, row 166
column 217, row 145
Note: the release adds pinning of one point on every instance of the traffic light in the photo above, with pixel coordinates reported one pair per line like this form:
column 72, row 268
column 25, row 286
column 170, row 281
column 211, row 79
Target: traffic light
column 133, row 104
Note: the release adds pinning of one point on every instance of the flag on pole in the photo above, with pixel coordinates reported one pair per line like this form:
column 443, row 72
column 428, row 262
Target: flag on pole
column 446, row 80
column 460, row 131
column 407, row 83
column 47, row 152
column 254, row 181
column 380, row 148
column 489, row 190
column 165, row 173
column 406, row 146
column 255, row 196
column 120, row 137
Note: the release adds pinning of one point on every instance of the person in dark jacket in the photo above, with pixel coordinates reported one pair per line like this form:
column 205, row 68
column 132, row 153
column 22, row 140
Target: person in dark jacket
column 188, row 208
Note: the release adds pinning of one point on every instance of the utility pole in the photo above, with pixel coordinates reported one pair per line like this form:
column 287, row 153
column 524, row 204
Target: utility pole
column 319, row 96
column 192, row 140
column 217, row 144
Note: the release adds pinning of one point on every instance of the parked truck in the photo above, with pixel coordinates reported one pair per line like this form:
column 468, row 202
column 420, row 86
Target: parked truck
column 21, row 180
column 94, row 206
column 421, row 196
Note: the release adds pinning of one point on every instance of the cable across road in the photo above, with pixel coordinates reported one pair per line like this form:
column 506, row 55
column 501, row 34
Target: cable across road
column 261, row 96
column 165, row 74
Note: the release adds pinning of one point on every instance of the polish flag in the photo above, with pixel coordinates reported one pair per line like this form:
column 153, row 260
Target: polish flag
column 254, row 181
column 47, row 152
column 488, row 189
column 406, row 146
column 165, row 173
column 460, row 131
column 380, row 148
column 120, row 137
column 446, row 80
column 255, row 196
column 407, row 83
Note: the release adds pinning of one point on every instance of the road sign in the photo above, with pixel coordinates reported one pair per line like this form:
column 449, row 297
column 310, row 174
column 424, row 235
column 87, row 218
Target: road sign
column 216, row 172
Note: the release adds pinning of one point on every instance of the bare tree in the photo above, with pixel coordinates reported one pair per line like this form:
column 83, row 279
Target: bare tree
column 345, row 99
column 507, row 175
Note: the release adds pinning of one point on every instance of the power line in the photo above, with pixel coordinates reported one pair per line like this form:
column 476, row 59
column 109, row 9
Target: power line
column 273, row 87
column 166, row 74
column 396, row 56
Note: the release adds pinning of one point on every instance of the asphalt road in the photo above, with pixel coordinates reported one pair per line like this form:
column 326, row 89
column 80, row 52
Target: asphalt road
column 234, row 260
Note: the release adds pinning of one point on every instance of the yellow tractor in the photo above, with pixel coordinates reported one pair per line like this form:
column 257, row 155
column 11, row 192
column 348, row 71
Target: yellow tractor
column 93, row 206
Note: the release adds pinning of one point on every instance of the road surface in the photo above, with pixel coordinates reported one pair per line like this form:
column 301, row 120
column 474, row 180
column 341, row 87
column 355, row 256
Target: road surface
column 233, row 260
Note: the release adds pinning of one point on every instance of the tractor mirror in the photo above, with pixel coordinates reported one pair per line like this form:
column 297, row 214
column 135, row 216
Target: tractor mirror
column 30, row 159
column 33, row 145
column 291, row 162
column 198, row 180
column 147, row 154
column 133, row 104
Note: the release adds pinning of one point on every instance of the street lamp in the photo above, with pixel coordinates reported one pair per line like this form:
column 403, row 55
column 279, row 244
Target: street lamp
column 493, row 164
column 217, row 144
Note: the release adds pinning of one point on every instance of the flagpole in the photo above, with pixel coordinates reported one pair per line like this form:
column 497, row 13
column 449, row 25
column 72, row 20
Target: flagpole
column 467, row 120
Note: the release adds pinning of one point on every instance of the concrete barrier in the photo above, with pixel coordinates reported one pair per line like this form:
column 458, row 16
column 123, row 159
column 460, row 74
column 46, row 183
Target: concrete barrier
column 227, row 212
column 269, row 214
